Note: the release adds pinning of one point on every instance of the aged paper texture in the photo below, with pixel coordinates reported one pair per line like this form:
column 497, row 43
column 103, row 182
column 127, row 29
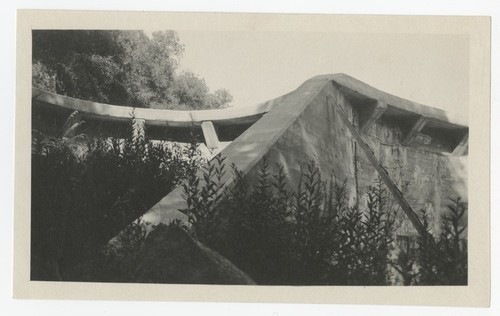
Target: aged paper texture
column 475, row 29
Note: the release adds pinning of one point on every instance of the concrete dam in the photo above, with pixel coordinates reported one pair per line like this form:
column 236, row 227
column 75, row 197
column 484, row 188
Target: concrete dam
column 344, row 126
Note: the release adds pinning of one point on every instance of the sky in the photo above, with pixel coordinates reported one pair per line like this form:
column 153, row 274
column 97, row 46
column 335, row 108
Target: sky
column 431, row 69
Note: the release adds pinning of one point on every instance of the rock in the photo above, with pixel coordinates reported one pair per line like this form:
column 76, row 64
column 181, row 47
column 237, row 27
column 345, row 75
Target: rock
column 170, row 255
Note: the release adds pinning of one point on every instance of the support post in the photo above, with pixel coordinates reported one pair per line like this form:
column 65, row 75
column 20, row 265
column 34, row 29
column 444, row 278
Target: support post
column 210, row 135
column 462, row 145
column 375, row 114
column 417, row 127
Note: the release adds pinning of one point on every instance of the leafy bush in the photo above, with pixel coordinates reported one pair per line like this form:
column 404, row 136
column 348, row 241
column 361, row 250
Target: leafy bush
column 443, row 260
column 80, row 199
column 202, row 199
column 281, row 236
column 311, row 235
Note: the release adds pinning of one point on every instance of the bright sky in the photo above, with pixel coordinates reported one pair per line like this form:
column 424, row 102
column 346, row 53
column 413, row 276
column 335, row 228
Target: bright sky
column 258, row 66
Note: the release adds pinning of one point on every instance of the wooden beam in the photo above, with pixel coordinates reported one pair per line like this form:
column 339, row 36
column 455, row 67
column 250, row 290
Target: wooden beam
column 462, row 145
column 417, row 127
column 211, row 139
column 375, row 114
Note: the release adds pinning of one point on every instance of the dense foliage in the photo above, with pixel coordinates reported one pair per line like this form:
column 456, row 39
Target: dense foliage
column 444, row 262
column 120, row 67
column 86, row 191
column 312, row 236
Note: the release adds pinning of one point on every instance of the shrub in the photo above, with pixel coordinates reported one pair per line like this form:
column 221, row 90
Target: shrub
column 255, row 218
column 280, row 236
column 311, row 236
column 202, row 197
column 82, row 199
column 443, row 259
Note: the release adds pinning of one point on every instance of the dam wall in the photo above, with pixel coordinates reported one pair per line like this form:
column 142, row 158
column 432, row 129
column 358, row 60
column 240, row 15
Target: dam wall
column 424, row 154
column 350, row 130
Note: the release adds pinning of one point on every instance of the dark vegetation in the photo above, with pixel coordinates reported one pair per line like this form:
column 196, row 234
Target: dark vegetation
column 85, row 191
column 445, row 263
column 120, row 67
column 312, row 236
column 276, row 234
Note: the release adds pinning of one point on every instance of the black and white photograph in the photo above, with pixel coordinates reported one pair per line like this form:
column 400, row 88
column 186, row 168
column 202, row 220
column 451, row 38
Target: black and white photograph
column 272, row 154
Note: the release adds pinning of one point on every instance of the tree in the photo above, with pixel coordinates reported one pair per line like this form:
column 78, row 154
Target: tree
column 81, row 64
column 220, row 98
column 190, row 91
column 120, row 67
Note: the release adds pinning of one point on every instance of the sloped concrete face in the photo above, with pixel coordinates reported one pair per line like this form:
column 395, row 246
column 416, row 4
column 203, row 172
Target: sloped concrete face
column 428, row 179
column 305, row 126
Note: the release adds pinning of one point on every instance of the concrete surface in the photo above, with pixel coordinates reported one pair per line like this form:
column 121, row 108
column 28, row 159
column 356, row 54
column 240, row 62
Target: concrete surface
column 304, row 126
column 423, row 151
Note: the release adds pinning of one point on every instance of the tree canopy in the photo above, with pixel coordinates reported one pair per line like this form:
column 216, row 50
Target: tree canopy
column 120, row 67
